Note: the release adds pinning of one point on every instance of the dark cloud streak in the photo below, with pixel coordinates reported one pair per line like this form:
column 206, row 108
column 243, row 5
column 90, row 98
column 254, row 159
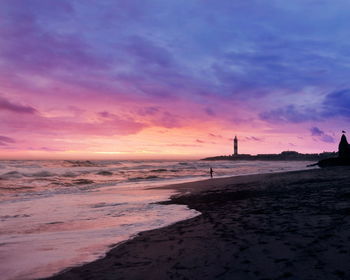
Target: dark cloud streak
column 16, row 108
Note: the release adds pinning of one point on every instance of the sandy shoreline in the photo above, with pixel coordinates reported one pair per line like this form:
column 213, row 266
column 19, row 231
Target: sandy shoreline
column 293, row 225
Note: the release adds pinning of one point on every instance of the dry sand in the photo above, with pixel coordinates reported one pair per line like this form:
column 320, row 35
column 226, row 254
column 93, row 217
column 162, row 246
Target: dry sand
column 293, row 225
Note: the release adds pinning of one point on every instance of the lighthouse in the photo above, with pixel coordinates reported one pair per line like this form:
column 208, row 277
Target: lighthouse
column 235, row 146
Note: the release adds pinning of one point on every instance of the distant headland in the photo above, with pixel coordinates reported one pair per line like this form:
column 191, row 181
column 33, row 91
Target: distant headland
column 285, row 155
column 325, row 159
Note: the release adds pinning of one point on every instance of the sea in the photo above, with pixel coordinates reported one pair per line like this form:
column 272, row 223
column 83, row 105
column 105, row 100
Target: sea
column 62, row 213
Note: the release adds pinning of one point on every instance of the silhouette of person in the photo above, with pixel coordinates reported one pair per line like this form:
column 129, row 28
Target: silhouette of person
column 211, row 172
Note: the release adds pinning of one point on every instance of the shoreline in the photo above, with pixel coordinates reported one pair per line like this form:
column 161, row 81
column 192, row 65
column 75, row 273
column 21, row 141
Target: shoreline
column 230, row 208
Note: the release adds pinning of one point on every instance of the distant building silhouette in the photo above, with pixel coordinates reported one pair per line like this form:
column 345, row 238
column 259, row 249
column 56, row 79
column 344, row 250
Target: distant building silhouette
column 235, row 146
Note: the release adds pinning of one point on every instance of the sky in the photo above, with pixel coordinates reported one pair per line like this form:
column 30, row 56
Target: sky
column 129, row 79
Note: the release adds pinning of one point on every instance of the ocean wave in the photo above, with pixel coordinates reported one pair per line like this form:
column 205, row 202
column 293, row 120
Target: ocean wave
column 103, row 204
column 82, row 182
column 151, row 177
column 105, row 173
column 13, row 188
column 43, row 173
column 6, row 217
column 81, row 163
column 69, row 174
column 143, row 178
column 12, row 174
column 16, row 174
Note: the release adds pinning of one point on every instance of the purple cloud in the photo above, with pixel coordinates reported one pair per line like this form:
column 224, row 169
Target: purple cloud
column 253, row 138
column 105, row 115
column 168, row 120
column 321, row 135
column 47, row 149
column 209, row 112
column 148, row 111
column 16, row 108
column 143, row 56
column 4, row 140
column 290, row 113
column 215, row 135
column 48, row 126
column 156, row 116
column 337, row 103
column 182, row 145
column 315, row 131
column 148, row 52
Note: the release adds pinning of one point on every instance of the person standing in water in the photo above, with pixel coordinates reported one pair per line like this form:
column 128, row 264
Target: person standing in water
column 211, row 172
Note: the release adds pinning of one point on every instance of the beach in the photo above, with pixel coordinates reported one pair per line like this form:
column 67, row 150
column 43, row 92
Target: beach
column 60, row 214
column 293, row 225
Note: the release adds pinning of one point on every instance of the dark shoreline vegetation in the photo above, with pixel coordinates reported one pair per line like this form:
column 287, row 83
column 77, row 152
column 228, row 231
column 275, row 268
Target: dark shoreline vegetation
column 293, row 225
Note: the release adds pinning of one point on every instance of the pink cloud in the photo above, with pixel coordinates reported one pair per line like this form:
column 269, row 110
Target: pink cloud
column 39, row 125
column 253, row 138
column 215, row 135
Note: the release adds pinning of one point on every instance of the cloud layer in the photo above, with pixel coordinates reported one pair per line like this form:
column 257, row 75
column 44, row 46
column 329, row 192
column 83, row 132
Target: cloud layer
column 163, row 70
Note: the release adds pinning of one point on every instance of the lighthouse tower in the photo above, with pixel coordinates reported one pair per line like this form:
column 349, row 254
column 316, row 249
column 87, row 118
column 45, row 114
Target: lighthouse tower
column 235, row 146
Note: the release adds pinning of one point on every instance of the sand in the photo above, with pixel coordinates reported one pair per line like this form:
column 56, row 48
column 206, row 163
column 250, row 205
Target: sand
column 293, row 225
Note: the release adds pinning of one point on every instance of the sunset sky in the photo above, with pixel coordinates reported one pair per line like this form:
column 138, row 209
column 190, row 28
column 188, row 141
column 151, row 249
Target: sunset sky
column 172, row 78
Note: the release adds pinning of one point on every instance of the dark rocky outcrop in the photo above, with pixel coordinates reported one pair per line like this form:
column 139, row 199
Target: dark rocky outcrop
column 344, row 148
column 343, row 158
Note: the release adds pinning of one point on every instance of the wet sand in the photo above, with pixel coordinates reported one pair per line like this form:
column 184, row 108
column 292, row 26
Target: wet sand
column 293, row 225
